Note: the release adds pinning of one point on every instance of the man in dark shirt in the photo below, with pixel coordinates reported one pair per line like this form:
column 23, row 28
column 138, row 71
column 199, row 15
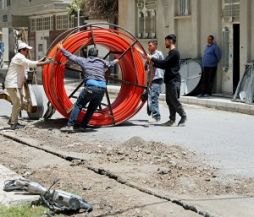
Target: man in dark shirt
column 172, row 80
column 94, row 69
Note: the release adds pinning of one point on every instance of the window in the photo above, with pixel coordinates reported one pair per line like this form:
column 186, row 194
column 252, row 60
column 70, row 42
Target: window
column 41, row 23
column 64, row 22
column 231, row 9
column 183, row 7
column 146, row 18
column 8, row 3
column 5, row 18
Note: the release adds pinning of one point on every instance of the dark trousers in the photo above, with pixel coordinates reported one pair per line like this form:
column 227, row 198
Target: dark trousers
column 207, row 80
column 91, row 95
column 172, row 99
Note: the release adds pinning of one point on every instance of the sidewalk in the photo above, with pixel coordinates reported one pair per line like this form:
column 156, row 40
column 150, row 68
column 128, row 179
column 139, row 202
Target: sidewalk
column 219, row 103
column 7, row 198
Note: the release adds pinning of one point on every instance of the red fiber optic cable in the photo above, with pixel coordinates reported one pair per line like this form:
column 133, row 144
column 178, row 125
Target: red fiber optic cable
column 128, row 102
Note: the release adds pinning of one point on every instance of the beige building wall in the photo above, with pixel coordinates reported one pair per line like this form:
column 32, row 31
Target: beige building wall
column 192, row 31
column 18, row 9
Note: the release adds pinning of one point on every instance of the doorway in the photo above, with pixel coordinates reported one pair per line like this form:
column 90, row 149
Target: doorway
column 236, row 55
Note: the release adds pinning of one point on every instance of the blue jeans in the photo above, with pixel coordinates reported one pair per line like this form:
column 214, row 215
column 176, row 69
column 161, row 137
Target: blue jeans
column 92, row 95
column 154, row 100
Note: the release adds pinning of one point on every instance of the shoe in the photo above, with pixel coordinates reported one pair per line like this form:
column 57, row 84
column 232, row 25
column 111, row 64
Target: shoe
column 153, row 120
column 81, row 129
column 206, row 95
column 16, row 126
column 169, row 123
column 200, row 95
column 68, row 129
column 182, row 121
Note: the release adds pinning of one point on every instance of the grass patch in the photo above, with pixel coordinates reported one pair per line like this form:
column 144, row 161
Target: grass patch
column 23, row 210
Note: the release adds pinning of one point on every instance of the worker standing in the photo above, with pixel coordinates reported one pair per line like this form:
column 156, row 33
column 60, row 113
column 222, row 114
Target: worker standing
column 156, row 82
column 94, row 69
column 172, row 80
column 15, row 78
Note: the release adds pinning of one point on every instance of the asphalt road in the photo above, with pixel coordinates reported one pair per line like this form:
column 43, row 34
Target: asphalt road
column 226, row 139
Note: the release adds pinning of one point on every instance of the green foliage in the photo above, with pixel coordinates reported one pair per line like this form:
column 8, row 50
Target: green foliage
column 21, row 211
column 74, row 6
column 101, row 8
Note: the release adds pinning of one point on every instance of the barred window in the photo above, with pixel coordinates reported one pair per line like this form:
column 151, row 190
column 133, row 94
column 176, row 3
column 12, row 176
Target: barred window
column 64, row 22
column 146, row 18
column 183, row 7
column 41, row 23
column 231, row 9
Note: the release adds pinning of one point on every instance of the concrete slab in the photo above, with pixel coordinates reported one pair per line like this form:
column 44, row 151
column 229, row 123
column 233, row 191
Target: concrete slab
column 7, row 198
column 233, row 206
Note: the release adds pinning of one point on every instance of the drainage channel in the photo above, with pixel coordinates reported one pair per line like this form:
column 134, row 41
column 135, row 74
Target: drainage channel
column 110, row 175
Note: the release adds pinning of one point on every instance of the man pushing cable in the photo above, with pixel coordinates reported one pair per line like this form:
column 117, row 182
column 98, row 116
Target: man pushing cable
column 94, row 69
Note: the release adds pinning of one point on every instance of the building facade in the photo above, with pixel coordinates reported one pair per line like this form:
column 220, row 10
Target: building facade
column 43, row 19
column 230, row 21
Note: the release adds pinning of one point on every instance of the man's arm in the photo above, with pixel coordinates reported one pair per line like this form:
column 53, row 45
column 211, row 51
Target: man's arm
column 112, row 63
column 162, row 63
column 30, row 63
column 74, row 58
column 217, row 53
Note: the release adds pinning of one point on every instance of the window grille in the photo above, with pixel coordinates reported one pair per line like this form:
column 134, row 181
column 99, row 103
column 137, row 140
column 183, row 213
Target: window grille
column 231, row 9
column 146, row 18
column 183, row 7
column 41, row 23
column 64, row 22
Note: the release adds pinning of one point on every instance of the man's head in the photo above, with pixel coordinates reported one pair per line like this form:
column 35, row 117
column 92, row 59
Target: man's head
column 24, row 48
column 170, row 40
column 93, row 52
column 210, row 39
column 152, row 45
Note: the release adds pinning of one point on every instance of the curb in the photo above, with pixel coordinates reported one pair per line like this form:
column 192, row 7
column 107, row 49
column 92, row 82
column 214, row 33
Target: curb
column 218, row 103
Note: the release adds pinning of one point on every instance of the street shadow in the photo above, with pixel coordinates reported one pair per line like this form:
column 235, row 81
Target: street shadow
column 57, row 124
column 51, row 123
column 119, row 212
column 133, row 123
column 160, row 125
column 6, row 129
column 4, row 117
column 125, row 124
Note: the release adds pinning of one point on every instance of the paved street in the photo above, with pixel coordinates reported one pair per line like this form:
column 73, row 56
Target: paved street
column 225, row 138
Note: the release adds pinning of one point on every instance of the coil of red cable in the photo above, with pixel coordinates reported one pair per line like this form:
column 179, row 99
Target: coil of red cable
column 128, row 102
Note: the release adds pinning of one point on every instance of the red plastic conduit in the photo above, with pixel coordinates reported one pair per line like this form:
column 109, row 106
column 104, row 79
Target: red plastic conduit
column 128, row 101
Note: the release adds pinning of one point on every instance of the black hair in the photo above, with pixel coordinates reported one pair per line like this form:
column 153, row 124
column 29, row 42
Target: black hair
column 171, row 37
column 22, row 49
column 93, row 52
column 211, row 36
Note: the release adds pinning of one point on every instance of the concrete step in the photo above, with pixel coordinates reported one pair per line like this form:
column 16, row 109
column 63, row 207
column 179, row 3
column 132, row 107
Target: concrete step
column 7, row 198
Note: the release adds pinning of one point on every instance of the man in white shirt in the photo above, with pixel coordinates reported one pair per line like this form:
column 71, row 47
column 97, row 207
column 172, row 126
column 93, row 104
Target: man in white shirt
column 15, row 79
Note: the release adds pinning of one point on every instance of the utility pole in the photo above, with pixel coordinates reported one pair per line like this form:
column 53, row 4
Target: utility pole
column 78, row 17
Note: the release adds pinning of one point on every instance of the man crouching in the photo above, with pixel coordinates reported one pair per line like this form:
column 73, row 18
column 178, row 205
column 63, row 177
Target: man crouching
column 94, row 69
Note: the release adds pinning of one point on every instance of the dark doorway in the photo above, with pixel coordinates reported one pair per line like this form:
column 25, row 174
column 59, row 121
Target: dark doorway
column 236, row 55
